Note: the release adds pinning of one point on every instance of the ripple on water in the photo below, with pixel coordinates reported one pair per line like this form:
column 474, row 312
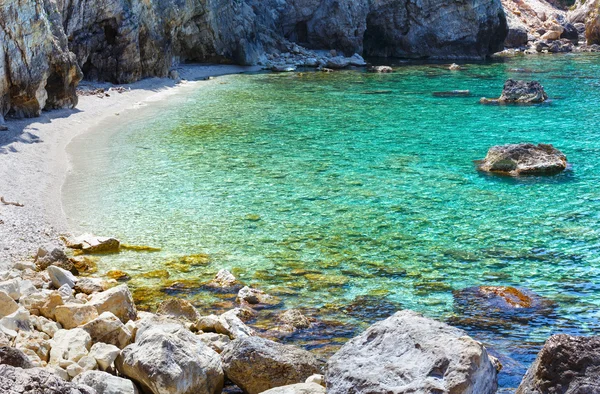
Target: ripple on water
column 353, row 205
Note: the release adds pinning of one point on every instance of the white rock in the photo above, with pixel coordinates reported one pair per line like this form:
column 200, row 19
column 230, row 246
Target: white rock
column 7, row 304
column 230, row 324
column 37, row 342
column 66, row 293
column 74, row 370
column 24, row 265
column 58, row 371
column 60, row 277
column 16, row 321
column 26, row 287
column 88, row 363
column 70, row 345
column 216, row 342
column 107, row 328
column 105, row 383
column 44, row 325
column 117, row 300
column 104, row 354
column 299, row 388
column 12, row 288
column 316, row 378
column 74, row 315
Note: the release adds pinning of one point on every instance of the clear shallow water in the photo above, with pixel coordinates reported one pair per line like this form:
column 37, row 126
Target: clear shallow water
column 314, row 189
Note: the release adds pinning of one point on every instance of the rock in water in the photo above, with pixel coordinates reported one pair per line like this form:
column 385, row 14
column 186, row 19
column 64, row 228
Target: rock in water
column 566, row 365
column 37, row 380
column 524, row 159
column 408, row 353
column 522, row 92
column 257, row 364
column 171, row 362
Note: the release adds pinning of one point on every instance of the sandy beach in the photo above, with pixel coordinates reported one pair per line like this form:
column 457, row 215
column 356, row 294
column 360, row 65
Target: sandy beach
column 34, row 162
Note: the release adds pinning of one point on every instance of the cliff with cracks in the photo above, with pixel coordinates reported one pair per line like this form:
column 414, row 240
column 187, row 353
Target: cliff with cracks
column 46, row 45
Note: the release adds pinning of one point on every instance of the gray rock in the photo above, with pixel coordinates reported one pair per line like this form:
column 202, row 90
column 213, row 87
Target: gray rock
column 14, row 357
column 408, row 353
column 105, row 383
column 60, row 277
column 171, row 363
column 524, row 159
column 107, row 328
column 178, row 308
column 566, row 365
column 522, row 92
column 257, row 364
column 37, row 380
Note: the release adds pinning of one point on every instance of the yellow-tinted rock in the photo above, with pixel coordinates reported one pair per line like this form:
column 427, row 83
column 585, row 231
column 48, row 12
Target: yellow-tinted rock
column 118, row 275
column 74, row 315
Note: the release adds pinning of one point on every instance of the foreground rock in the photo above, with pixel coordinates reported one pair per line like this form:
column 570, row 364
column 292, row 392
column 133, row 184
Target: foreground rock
column 105, row 383
column 117, row 300
column 519, row 92
column 566, row 365
column 524, row 159
column 299, row 388
column 410, row 353
column 171, row 361
column 37, row 380
column 257, row 364
column 14, row 357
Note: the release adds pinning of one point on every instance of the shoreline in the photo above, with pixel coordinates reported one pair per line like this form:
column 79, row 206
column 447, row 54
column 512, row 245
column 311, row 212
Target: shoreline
column 34, row 175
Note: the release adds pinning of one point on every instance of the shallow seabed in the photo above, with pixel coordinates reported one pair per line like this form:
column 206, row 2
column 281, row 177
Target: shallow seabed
column 353, row 194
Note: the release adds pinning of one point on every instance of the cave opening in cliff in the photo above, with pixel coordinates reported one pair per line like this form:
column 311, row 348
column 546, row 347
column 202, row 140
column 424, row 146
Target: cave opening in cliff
column 301, row 32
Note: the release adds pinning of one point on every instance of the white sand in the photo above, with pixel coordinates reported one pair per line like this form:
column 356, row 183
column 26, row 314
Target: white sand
column 34, row 163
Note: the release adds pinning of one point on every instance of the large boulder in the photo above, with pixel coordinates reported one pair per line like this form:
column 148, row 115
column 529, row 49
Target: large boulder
column 410, row 353
column 524, row 159
column 37, row 380
column 566, row 365
column 105, row 383
column 257, row 364
column 107, row 328
column 172, row 361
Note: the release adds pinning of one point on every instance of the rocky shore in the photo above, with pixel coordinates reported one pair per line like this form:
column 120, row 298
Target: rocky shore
column 84, row 334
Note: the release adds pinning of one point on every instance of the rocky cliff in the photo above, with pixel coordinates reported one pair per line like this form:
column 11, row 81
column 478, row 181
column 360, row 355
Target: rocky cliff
column 45, row 45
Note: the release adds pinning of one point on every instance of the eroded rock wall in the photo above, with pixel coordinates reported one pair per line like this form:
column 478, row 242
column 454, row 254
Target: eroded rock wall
column 37, row 71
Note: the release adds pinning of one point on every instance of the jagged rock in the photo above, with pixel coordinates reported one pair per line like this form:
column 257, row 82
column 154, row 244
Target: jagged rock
column 553, row 32
column 69, row 345
column 48, row 255
column 256, row 364
column 207, row 323
column 566, row 365
column 74, row 370
column 226, row 281
column 357, row 61
column 14, row 357
column 35, row 341
column 47, row 304
column 37, row 71
column 37, row 380
column 178, row 308
column 231, row 325
column 517, row 33
column 171, row 363
column 524, row 159
column 298, row 388
column 410, row 353
column 105, row 383
column 87, row 363
column 12, row 288
column 7, row 305
column 60, row 277
column 338, row 62
column 107, row 328
column 75, row 315
column 216, row 342
column 16, row 321
column 117, row 300
column 44, row 325
column 104, row 354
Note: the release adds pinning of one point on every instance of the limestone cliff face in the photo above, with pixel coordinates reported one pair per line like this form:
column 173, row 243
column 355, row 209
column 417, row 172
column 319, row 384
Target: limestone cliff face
column 587, row 12
column 45, row 44
column 37, row 70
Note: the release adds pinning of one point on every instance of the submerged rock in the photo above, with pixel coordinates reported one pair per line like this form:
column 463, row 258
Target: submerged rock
column 524, row 159
column 566, row 365
column 453, row 93
column 410, row 353
column 257, row 364
column 178, row 308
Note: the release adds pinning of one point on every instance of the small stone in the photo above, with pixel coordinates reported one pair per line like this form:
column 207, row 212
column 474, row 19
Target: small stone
column 88, row 363
column 12, row 288
column 316, row 378
column 381, row 69
column 74, row 370
column 50, row 303
column 216, row 342
column 104, row 354
column 253, row 296
column 294, row 319
column 454, row 67
column 231, row 325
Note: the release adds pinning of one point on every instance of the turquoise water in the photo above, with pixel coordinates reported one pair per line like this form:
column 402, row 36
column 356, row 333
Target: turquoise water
column 358, row 189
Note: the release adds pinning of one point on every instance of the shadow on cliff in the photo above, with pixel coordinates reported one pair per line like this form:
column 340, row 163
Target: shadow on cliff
column 23, row 131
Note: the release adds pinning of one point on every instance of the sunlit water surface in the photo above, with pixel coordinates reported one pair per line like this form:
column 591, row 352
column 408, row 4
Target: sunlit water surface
column 352, row 195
